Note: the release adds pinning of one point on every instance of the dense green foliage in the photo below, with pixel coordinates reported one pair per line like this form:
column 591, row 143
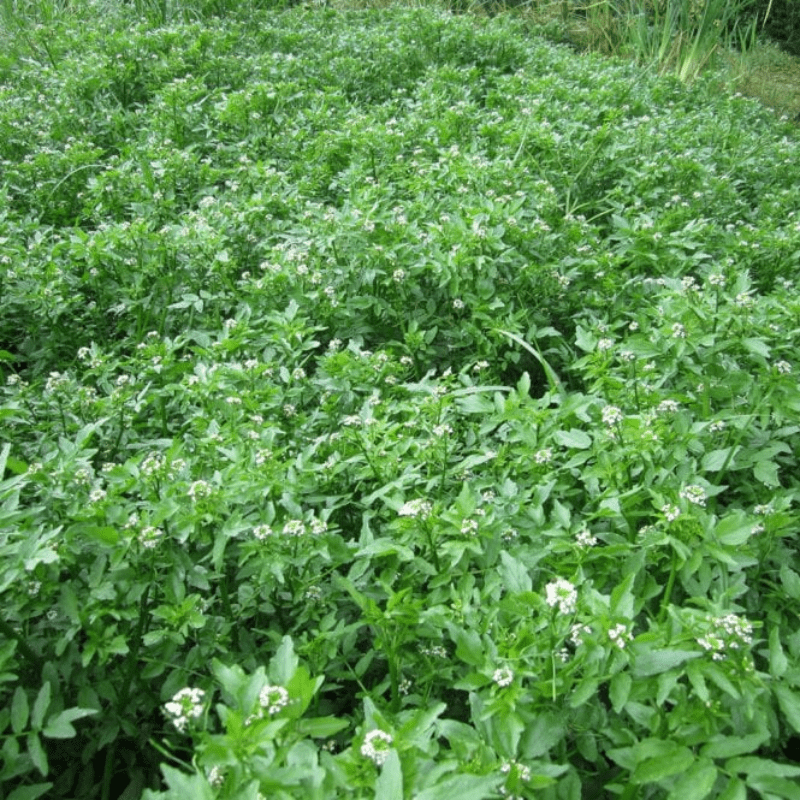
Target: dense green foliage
column 394, row 405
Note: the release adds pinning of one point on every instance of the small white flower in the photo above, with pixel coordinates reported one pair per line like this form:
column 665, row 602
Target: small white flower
column 273, row 698
column 694, row 494
column 585, row 539
column 262, row 532
column 670, row 512
column 416, row 508
column 503, row 677
column 678, row 331
column 376, row 746
column 605, row 344
column 186, row 706
column 150, row 536
column 717, row 426
column 458, row 304
column 199, row 489
column 612, row 415
column 667, row 407
column 783, row 367
column 577, row 632
column 294, row 527
column 543, row 456
column 620, row 635
column 469, row 527
column 563, row 594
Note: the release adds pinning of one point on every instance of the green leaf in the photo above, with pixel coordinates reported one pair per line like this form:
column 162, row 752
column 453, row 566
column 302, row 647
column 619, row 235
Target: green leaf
column 651, row 770
column 789, row 703
column 734, row 529
column 41, row 705
column 514, row 574
column 773, row 786
column 544, row 733
column 654, row 662
column 729, row 746
column 284, row 663
column 715, row 460
column 461, row 787
column 468, row 645
column 696, row 784
column 778, row 663
column 621, row 603
column 751, row 765
column 60, row 726
column 735, row 790
column 37, row 754
column 767, row 473
column 756, row 346
column 791, row 582
column 30, row 792
column 389, row 785
column 19, row 710
column 619, row 690
column 320, row 727
column 185, row 786
column 574, row 438
column 585, row 690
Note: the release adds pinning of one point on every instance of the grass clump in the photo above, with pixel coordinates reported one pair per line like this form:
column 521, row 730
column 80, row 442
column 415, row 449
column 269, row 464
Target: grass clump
column 395, row 404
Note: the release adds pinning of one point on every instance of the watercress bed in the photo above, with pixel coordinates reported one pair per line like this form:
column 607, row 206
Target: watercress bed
column 395, row 404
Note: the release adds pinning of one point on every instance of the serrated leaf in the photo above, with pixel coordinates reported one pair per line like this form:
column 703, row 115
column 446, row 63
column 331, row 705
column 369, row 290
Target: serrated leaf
column 19, row 710
column 390, row 782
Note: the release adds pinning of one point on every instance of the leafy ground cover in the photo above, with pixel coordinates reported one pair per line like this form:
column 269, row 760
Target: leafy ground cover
column 395, row 405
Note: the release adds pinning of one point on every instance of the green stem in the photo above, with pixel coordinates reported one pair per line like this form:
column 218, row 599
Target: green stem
column 432, row 544
column 673, row 572
column 125, row 693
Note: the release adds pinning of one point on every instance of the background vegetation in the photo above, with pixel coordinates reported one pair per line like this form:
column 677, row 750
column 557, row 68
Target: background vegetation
column 395, row 404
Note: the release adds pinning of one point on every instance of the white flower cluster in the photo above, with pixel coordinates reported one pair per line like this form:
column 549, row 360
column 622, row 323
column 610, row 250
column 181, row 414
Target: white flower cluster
column 620, row 635
column 186, row 706
column 585, row 539
column 729, row 632
column 273, row 698
column 503, row 676
column 418, row 508
column 376, row 746
column 612, row 416
column 694, row 494
column 563, row 594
